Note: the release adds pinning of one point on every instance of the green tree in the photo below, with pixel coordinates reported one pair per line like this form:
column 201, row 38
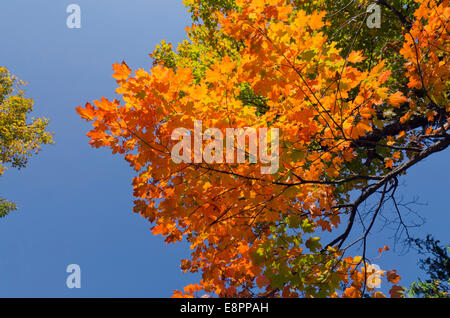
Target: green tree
column 20, row 136
column 436, row 266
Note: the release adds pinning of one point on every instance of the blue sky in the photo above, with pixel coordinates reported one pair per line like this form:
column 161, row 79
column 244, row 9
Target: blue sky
column 75, row 202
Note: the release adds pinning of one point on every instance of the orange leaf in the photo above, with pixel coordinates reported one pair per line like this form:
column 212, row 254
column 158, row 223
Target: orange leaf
column 397, row 99
column 396, row 292
column 393, row 277
column 378, row 295
column 121, row 71
column 87, row 113
column 389, row 163
column 355, row 57
column 352, row 292
column 262, row 281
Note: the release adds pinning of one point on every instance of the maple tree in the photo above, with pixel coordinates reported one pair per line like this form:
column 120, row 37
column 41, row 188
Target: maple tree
column 355, row 110
column 20, row 137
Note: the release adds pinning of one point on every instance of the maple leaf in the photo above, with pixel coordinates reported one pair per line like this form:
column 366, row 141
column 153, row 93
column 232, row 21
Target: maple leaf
column 396, row 291
column 262, row 281
column 121, row 71
column 397, row 99
column 392, row 276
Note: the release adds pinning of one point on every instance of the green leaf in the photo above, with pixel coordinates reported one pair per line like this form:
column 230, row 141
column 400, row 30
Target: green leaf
column 313, row 244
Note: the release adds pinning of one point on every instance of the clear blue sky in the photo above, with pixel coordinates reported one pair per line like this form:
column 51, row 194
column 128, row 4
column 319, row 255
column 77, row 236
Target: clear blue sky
column 74, row 201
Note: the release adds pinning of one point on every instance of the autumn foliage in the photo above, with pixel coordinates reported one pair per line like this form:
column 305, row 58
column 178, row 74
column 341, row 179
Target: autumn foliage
column 351, row 120
column 20, row 136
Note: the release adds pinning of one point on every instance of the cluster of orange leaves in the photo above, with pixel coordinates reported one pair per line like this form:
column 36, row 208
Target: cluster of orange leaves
column 306, row 82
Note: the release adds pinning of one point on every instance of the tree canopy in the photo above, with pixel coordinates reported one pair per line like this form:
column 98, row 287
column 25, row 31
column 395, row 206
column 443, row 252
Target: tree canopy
column 355, row 107
column 20, row 136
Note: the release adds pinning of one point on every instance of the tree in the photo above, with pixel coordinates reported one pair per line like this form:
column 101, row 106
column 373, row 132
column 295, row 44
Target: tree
column 19, row 136
column 436, row 266
column 355, row 110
